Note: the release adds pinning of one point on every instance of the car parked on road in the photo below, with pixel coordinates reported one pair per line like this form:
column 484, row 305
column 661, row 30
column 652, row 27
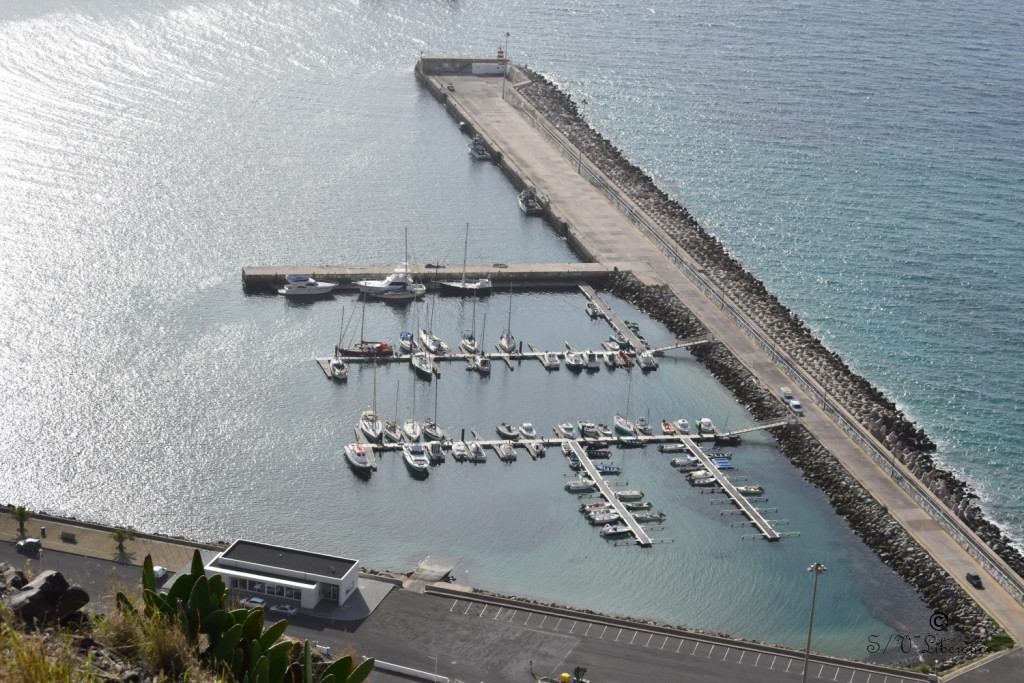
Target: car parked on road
column 974, row 580
column 253, row 602
column 795, row 406
column 286, row 610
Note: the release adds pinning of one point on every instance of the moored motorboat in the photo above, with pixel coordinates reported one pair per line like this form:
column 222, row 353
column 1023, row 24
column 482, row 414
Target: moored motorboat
column 624, row 359
column 566, row 430
column 476, row 452
column 567, row 450
column 646, row 360
column 506, row 451
column 631, row 494
column 478, row 149
column 604, row 431
column 611, row 530
column 358, row 456
column 398, row 281
column 460, row 451
column 608, row 469
column 579, row 485
column 435, row 452
column 304, row 285
column 550, row 360
column 750, row 490
column 536, row 449
column 588, row 430
column 682, row 426
column 646, row 505
column 527, row 431
column 590, row 358
column 592, row 310
column 416, row 458
column 603, row 517
column 414, row 291
column 668, row 428
column 528, row 202
column 574, row 360
column 705, row 426
column 480, row 363
column 649, row 516
column 587, row 508
column 507, row 431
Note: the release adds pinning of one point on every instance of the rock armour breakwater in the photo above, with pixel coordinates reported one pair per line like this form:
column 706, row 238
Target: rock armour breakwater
column 876, row 413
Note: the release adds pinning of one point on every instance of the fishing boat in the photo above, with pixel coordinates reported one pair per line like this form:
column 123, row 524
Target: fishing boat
column 590, row 358
column 527, row 431
column 588, row 430
column 478, row 149
column 612, row 530
column 416, row 459
column 358, row 456
column 566, row 430
column 528, row 202
column 706, row 426
column 604, row 431
column 649, row 516
column 507, row 431
column 631, row 494
column 599, row 453
column 592, row 310
column 506, row 451
column 304, row 285
column 574, row 361
column 579, row 485
column 608, row 469
column 668, row 428
column 646, row 505
column 682, row 426
column 463, row 287
column 750, row 490
column 536, row 449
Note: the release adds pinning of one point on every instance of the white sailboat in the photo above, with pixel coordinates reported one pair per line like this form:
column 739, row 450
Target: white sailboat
column 411, row 427
column 621, row 422
column 464, row 287
column 506, row 342
column 369, row 422
column 469, row 343
column 431, row 430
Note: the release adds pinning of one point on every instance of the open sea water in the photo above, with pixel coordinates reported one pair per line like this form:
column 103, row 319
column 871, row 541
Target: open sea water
column 864, row 160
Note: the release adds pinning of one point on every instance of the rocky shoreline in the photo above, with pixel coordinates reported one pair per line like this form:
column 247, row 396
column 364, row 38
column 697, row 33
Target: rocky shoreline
column 868, row 405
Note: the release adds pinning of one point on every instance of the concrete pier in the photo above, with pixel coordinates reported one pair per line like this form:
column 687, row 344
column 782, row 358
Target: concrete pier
column 642, row 539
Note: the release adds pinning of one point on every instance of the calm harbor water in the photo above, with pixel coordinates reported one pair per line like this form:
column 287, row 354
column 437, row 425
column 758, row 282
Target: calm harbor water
column 148, row 150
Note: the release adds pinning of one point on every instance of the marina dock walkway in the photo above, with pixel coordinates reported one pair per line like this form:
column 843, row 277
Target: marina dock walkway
column 730, row 490
column 642, row 539
column 530, row 151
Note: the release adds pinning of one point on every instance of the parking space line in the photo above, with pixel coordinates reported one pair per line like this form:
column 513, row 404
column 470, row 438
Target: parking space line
column 453, row 606
column 589, row 626
column 482, row 611
column 495, row 617
column 468, row 605
column 512, row 616
column 542, row 621
column 617, row 635
column 695, row 648
column 558, row 624
column 603, row 632
column 528, row 615
column 726, row 654
column 711, row 650
column 681, row 641
column 648, row 643
column 773, row 662
column 573, row 626
column 822, row 669
column 836, row 677
column 758, row 659
column 740, row 660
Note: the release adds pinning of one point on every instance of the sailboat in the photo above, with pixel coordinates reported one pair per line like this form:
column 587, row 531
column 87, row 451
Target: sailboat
column 621, row 422
column 506, row 342
column 463, row 287
column 338, row 366
column 431, row 430
column 411, row 427
column 479, row 361
column 369, row 422
column 365, row 348
column 469, row 343
column 392, row 433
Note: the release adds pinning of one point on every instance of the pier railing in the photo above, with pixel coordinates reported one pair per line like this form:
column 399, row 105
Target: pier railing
column 896, row 470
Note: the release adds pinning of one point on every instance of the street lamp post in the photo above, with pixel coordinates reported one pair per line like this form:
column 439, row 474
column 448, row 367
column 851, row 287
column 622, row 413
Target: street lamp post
column 504, row 75
column 817, row 568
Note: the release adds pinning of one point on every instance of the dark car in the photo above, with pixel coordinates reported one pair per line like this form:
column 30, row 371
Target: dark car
column 974, row 580
column 29, row 546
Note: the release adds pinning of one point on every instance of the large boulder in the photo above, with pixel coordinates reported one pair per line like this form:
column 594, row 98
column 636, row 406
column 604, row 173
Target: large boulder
column 46, row 599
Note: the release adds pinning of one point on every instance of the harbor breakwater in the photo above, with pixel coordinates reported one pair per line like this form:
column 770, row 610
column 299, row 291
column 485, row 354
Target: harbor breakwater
column 869, row 407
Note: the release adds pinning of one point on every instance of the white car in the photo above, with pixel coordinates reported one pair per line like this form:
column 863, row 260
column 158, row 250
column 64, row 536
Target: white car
column 287, row 610
column 159, row 572
column 795, row 406
column 253, row 602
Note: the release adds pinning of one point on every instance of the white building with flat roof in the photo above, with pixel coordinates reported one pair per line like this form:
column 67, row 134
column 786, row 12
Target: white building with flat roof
column 277, row 572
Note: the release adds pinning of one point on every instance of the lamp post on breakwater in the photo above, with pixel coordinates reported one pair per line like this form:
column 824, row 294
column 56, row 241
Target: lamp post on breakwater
column 504, row 75
column 817, row 568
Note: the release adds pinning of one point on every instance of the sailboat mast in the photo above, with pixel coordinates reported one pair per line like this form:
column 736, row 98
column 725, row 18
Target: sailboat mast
column 465, row 255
